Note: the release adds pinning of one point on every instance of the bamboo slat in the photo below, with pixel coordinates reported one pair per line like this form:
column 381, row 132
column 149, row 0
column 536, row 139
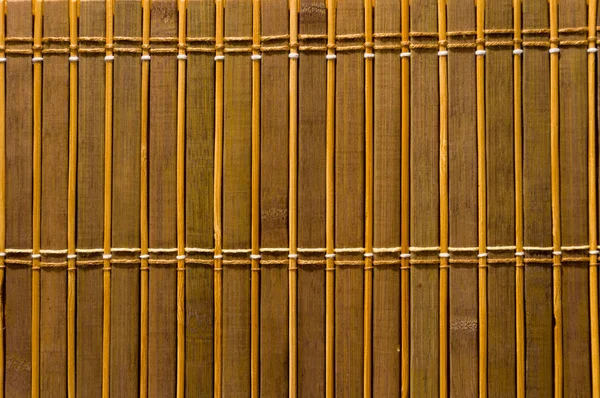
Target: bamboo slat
column 2, row 194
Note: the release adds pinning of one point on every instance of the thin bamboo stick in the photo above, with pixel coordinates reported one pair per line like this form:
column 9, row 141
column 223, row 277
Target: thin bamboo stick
column 443, row 72
column 108, row 137
column 368, row 270
column 330, row 205
column 555, row 183
column 37, row 193
column 2, row 187
column 405, row 203
column 592, row 197
column 72, row 192
column 255, row 234
column 144, row 198
column 218, row 194
column 519, row 263
column 181, row 82
column 482, row 200
column 293, row 200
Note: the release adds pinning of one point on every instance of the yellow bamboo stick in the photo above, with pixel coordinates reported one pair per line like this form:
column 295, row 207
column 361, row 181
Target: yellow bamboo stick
column 293, row 201
column 218, row 193
column 72, row 192
column 368, row 299
column 405, row 203
column 592, row 197
column 482, row 201
column 37, row 193
column 330, row 204
column 555, row 188
column 181, row 82
column 144, row 198
column 443, row 82
column 518, row 136
column 108, row 131
column 255, row 238
column 2, row 185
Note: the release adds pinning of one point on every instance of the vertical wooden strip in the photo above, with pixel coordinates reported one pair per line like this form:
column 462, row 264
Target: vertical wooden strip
column 199, row 173
column 537, row 220
column 72, row 191
column 330, row 204
column 386, row 204
column 463, row 201
column 312, row 115
column 592, row 199
column 181, row 85
column 2, row 193
column 555, row 192
column 126, row 200
column 237, row 203
column 348, row 179
column 574, row 203
column 19, row 200
column 424, row 204
column 274, row 190
column 444, row 227
column 255, row 203
column 54, row 174
column 163, row 138
column 108, row 189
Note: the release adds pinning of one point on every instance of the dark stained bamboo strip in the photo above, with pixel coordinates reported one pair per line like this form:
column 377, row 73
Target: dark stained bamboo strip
column 2, row 189
column 255, row 203
column 518, row 162
column 293, row 200
column 481, row 200
column 405, row 204
column 555, row 192
column 72, row 190
column 218, row 195
column 592, row 200
column 144, row 111
column 181, row 85
column 444, row 225
column 37, row 192
column 368, row 268
column 108, row 189
column 330, row 204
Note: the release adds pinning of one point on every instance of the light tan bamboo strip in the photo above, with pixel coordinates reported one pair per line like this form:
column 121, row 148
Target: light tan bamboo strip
column 71, row 197
column 443, row 299
column 592, row 197
column 218, row 194
column 293, row 201
column 144, row 200
column 181, row 83
column 2, row 187
column 518, row 137
column 482, row 201
column 405, row 203
column 555, row 183
column 108, row 133
column 37, row 193
column 368, row 268
column 330, row 204
column 255, row 233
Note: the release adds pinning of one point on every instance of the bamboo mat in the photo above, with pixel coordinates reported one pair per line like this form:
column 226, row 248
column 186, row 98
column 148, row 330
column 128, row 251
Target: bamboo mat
column 307, row 198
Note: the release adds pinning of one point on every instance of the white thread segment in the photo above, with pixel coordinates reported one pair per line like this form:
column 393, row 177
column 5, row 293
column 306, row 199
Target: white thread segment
column 145, row 57
column 2, row 254
column 330, row 255
column 557, row 253
column 592, row 50
column 219, row 57
column 593, row 252
column 480, row 53
column 554, row 50
column 218, row 256
column 109, row 58
column 520, row 254
column 292, row 255
column 144, row 256
column 294, row 55
column 256, row 57
column 482, row 255
column 444, row 255
column 74, row 58
column 369, row 255
column 37, row 59
column 369, row 55
column 405, row 255
column 2, row 60
column 330, row 56
column 442, row 53
column 180, row 257
column 255, row 257
column 106, row 256
column 517, row 51
column 34, row 256
column 71, row 256
column 404, row 55
column 181, row 57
